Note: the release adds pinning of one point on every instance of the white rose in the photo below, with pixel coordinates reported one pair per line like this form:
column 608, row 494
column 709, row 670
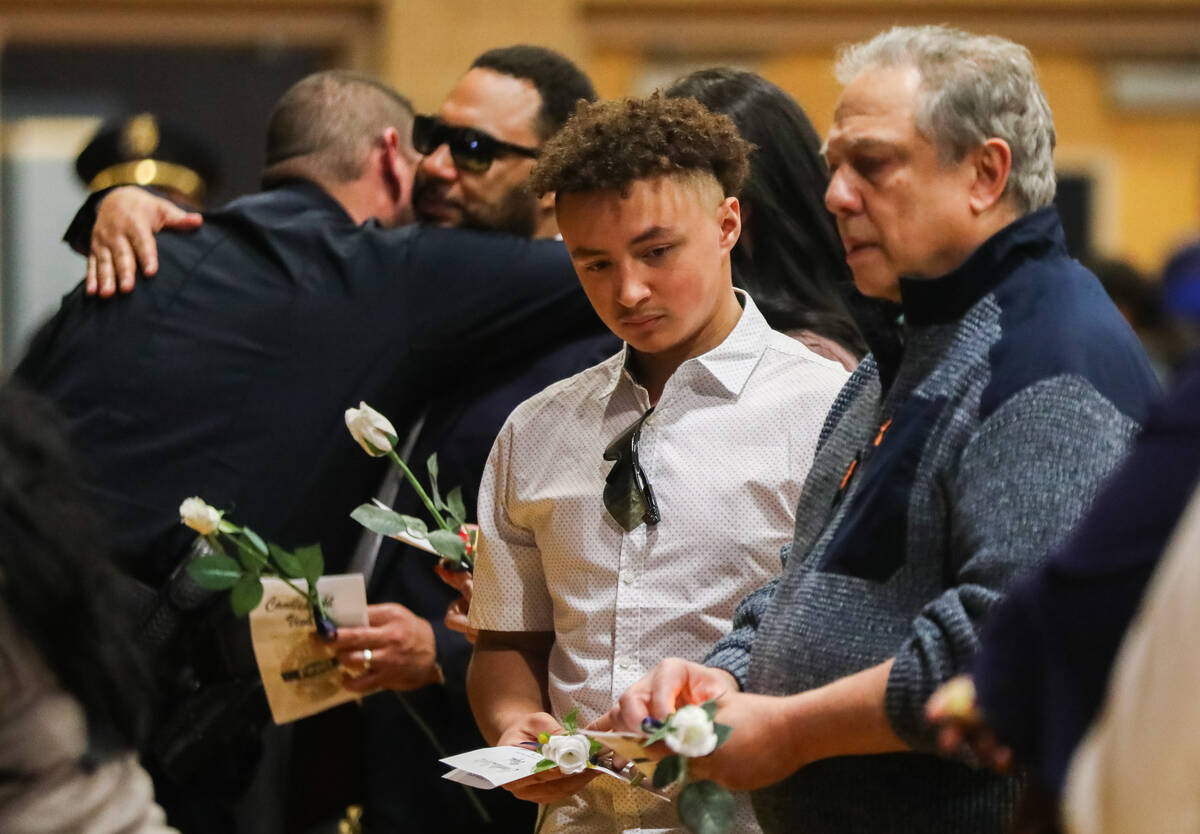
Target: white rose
column 198, row 515
column 691, row 732
column 371, row 430
column 570, row 753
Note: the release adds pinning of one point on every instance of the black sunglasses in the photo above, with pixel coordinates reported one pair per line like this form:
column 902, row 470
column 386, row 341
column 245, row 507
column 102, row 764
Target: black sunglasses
column 472, row 150
column 628, row 496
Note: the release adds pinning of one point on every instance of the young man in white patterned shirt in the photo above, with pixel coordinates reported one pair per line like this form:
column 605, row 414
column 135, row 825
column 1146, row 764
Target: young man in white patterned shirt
column 625, row 511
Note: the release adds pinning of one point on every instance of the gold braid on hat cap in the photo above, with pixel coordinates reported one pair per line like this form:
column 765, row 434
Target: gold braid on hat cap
column 150, row 172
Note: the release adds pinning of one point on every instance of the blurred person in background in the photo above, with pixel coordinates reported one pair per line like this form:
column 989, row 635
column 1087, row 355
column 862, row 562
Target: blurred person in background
column 1181, row 290
column 144, row 149
column 1141, row 303
column 74, row 695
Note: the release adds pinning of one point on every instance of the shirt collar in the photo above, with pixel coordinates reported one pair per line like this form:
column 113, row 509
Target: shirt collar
column 729, row 363
column 947, row 299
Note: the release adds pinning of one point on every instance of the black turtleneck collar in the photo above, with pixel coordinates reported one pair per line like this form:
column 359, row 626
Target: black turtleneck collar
column 928, row 301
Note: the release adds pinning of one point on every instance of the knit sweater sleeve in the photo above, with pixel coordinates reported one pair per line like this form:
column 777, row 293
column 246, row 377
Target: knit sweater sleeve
column 732, row 652
column 1023, row 479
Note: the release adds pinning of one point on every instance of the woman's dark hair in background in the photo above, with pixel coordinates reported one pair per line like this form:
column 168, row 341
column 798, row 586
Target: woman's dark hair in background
column 55, row 580
column 790, row 258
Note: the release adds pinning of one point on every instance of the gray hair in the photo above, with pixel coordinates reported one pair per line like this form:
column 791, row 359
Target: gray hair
column 327, row 122
column 973, row 87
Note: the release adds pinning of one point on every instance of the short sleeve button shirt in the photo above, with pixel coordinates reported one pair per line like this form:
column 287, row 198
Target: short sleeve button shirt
column 726, row 451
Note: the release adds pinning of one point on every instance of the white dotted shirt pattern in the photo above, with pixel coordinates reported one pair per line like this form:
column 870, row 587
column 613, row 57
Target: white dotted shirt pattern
column 726, row 452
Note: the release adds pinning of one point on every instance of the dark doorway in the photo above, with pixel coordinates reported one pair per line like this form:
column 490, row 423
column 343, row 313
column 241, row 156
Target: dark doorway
column 1074, row 202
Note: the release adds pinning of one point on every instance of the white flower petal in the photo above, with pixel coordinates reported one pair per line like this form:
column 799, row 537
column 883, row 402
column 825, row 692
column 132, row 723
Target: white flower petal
column 691, row 733
column 569, row 752
column 371, row 430
column 198, row 515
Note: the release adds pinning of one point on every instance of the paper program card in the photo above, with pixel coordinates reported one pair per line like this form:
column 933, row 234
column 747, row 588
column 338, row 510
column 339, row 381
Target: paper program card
column 491, row 767
column 300, row 674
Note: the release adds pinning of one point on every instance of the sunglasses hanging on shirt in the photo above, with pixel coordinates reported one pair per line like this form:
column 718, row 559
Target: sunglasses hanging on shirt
column 472, row 150
column 628, row 496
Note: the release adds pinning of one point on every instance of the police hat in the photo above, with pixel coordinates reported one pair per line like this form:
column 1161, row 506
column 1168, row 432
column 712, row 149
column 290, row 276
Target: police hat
column 144, row 150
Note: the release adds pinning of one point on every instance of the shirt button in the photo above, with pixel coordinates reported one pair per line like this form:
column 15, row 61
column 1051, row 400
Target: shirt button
column 629, row 579
column 624, row 662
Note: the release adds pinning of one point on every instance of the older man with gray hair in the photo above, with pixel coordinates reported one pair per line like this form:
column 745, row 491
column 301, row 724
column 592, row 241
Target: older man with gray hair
column 944, row 470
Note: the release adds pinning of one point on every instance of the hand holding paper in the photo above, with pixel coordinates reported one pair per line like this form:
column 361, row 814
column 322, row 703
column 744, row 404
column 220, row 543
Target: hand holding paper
column 302, row 675
column 549, row 785
column 403, row 651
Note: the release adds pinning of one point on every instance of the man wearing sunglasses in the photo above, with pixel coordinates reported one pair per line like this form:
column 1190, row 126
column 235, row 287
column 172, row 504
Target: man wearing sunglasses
column 625, row 510
column 482, row 144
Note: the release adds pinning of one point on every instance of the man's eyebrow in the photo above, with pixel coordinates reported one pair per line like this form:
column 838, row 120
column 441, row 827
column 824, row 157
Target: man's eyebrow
column 652, row 232
column 641, row 237
column 859, row 144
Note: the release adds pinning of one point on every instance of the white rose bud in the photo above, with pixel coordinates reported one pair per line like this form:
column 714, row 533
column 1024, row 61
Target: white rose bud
column 570, row 753
column 371, row 430
column 691, row 732
column 198, row 515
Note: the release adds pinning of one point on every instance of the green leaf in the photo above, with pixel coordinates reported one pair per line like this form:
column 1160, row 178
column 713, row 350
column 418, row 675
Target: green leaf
column 668, row 770
column 215, row 573
column 544, row 764
column 723, row 732
column 312, row 563
column 594, row 747
column 710, row 708
column 387, row 522
column 227, row 527
column 287, row 562
column 706, row 808
column 431, row 465
column 455, row 505
column 250, row 558
column 255, row 540
column 246, row 595
column 570, row 722
column 448, row 545
column 660, row 733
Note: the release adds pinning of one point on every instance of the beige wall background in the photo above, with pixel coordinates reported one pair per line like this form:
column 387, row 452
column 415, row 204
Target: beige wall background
column 1146, row 162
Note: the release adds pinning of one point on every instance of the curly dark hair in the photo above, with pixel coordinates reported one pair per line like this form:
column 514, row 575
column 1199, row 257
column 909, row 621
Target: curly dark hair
column 610, row 144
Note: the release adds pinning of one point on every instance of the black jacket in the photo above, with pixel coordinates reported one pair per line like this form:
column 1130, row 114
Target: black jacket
column 226, row 375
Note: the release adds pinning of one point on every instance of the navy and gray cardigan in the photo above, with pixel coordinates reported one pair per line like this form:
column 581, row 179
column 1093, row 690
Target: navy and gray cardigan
column 975, row 449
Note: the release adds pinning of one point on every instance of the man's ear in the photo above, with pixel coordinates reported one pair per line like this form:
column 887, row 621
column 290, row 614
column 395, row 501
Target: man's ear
column 992, row 163
column 729, row 219
column 395, row 168
column 546, row 219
